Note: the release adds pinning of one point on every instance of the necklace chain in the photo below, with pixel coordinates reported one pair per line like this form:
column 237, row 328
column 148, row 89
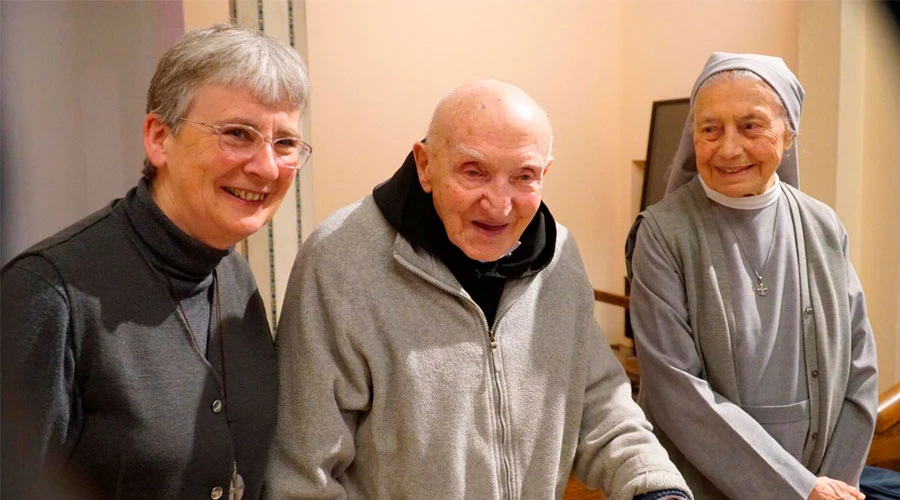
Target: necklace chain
column 760, row 287
column 236, row 489
column 219, row 329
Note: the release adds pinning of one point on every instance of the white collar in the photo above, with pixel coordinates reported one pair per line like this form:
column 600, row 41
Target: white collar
column 745, row 202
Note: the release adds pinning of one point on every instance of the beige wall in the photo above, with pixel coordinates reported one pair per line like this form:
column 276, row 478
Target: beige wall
column 819, row 71
column 850, row 68
column 878, row 246
column 204, row 13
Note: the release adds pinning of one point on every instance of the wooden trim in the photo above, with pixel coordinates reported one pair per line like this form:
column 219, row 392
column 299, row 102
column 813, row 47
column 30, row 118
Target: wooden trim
column 888, row 409
column 612, row 298
column 885, row 450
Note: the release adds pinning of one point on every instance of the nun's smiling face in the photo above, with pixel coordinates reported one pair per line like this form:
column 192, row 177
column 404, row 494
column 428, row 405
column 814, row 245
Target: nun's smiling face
column 740, row 135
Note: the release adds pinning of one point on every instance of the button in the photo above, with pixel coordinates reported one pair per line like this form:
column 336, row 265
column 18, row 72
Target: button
column 217, row 406
column 815, row 373
column 815, row 436
column 216, row 493
column 808, row 310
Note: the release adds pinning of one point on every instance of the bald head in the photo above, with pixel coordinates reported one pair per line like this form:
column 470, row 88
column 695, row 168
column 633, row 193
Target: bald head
column 492, row 108
column 484, row 161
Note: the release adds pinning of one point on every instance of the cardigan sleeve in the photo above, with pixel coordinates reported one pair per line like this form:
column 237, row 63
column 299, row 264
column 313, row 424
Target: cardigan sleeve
column 40, row 402
column 701, row 423
column 852, row 435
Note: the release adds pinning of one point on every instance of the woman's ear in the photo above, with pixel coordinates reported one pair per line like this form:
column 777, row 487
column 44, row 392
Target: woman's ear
column 155, row 134
column 788, row 136
column 788, row 141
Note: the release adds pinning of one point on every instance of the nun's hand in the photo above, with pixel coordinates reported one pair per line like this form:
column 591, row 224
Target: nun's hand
column 834, row 489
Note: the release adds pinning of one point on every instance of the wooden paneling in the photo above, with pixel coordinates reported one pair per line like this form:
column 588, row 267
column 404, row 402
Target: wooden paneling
column 885, row 451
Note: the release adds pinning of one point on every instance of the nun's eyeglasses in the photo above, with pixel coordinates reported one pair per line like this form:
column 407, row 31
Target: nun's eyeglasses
column 244, row 141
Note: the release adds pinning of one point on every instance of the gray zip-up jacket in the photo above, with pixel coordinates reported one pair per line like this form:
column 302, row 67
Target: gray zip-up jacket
column 393, row 386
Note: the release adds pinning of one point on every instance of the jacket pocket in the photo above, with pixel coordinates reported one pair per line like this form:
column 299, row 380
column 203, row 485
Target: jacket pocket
column 788, row 424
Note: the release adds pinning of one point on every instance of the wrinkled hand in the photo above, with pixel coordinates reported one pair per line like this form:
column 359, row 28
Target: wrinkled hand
column 833, row 489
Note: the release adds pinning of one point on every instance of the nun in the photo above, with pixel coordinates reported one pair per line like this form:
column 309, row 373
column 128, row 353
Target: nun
column 758, row 366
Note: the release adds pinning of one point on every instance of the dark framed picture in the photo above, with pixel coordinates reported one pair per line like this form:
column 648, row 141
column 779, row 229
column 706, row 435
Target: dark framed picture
column 666, row 123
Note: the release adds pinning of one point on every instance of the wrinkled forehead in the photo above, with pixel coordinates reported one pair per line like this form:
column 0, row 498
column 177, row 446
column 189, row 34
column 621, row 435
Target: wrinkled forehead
column 737, row 93
column 527, row 156
column 479, row 139
column 517, row 125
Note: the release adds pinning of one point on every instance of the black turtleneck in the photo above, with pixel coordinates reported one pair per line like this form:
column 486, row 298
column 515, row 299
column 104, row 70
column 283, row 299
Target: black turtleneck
column 411, row 211
column 184, row 263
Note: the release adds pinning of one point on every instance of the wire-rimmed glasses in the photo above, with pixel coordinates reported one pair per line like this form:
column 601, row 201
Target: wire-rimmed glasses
column 244, row 141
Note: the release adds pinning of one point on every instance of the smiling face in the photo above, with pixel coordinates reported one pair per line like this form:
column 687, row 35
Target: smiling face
column 484, row 164
column 739, row 136
column 216, row 197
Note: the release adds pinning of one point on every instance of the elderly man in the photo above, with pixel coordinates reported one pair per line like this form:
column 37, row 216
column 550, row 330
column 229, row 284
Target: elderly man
column 137, row 359
column 438, row 339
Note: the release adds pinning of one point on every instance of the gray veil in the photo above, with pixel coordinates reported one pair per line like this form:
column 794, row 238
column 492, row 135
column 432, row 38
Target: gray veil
column 776, row 73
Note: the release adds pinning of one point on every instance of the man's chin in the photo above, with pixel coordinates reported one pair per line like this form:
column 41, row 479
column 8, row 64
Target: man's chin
column 484, row 254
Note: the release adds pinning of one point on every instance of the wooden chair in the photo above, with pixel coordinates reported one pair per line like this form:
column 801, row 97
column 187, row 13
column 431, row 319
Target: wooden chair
column 885, row 451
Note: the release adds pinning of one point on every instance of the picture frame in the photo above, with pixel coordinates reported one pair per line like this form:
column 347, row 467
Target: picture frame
column 667, row 120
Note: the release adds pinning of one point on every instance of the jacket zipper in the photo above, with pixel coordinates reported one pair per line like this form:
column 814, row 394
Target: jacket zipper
column 496, row 362
column 497, row 365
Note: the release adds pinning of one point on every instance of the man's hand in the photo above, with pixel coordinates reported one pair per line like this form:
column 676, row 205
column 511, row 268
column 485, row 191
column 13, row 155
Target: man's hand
column 833, row 489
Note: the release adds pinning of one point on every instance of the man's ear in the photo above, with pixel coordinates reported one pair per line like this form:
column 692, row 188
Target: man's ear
column 547, row 166
column 420, row 153
column 155, row 134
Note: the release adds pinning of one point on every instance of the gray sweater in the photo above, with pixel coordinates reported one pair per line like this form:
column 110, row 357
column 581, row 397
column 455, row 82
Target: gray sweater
column 391, row 386
column 105, row 392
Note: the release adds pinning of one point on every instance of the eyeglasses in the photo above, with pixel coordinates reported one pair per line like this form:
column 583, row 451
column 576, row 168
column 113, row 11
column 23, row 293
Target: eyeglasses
column 245, row 141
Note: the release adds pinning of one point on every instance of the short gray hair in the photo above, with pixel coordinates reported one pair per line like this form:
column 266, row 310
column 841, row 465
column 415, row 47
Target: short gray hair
column 745, row 74
column 225, row 55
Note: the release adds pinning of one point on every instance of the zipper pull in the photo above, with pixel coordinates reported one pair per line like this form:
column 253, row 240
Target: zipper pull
column 496, row 357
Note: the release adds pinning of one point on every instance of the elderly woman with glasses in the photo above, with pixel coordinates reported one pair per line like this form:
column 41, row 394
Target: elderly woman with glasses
column 758, row 365
column 137, row 359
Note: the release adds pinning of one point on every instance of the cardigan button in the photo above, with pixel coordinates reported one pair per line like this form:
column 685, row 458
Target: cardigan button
column 808, row 310
column 815, row 436
column 815, row 373
column 216, row 493
column 216, row 406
